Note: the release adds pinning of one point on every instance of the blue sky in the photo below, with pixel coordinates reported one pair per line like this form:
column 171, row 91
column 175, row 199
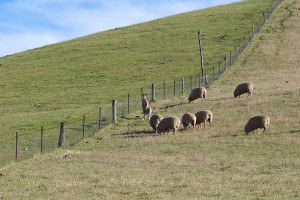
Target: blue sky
column 27, row 24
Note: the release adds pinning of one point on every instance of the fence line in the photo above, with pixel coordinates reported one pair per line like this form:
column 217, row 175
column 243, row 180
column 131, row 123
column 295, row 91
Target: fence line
column 73, row 132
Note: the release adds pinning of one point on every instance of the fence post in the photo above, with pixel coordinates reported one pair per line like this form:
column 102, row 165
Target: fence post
column 61, row 139
column 182, row 85
column 206, row 79
column 42, row 135
column 99, row 118
column 153, row 92
column 213, row 73
column 191, row 82
column 219, row 68
column 174, row 87
column 17, row 146
column 114, row 111
column 164, row 90
column 225, row 59
column 201, row 54
column 83, row 126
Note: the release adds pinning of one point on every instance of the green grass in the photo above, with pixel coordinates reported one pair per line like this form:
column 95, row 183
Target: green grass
column 218, row 163
column 64, row 81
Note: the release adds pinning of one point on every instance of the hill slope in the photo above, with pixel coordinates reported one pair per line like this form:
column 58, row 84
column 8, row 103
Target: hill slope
column 221, row 162
column 64, row 81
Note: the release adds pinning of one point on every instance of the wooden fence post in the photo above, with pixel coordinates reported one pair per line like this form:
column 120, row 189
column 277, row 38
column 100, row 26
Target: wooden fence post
column 42, row 136
column 17, row 146
column 114, row 111
column 99, row 118
column 61, row 139
column 174, row 87
column 164, row 90
column 153, row 92
column 182, row 85
column 206, row 79
column 201, row 54
column 83, row 126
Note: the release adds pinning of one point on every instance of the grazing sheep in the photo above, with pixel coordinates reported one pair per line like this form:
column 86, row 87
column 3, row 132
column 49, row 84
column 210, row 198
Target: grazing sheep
column 243, row 88
column 154, row 121
column 188, row 118
column 196, row 93
column 147, row 110
column 169, row 123
column 203, row 116
column 257, row 122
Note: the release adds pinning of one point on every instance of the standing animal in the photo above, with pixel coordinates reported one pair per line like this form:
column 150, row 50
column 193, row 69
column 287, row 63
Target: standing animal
column 167, row 124
column 261, row 121
column 187, row 119
column 154, row 121
column 147, row 110
column 243, row 88
column 196, row 93
column 203, row 116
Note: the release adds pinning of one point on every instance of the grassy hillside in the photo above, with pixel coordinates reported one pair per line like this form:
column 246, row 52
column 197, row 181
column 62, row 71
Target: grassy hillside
column 61, row 82
column 218, row 163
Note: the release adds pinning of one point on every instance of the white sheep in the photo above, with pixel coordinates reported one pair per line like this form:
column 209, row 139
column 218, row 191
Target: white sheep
column 167, row 124
column 187, row 119
column 203, row 116
column 261, row 121
column 243, row 88
column 154, row 121
column 196, row 93
column 147, row 110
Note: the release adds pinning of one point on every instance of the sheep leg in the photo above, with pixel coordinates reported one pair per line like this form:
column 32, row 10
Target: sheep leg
column 175, row 131
column 204, row 124
column 253, row 132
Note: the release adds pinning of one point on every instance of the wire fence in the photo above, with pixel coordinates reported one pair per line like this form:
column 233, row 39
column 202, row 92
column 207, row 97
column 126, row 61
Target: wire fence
column 44, row 139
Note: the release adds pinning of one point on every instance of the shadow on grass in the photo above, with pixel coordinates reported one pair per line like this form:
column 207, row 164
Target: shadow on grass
column 173, row 105
column 219, row 136
column 136, row 134
column 297, row 131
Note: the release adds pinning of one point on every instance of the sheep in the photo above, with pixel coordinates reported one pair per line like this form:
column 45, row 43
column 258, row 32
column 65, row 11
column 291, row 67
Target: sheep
column 203, row 116
column 196, row 93
column 147, row 110
column 154, row 121
column 169, row 123
column 188, row 118
column 261, row 121
column 243, row 88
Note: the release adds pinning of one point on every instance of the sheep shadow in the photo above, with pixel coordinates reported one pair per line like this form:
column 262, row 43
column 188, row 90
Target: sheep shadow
column 173, row 105
column 219, row 136
column 297, row 131
column 136, row 134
